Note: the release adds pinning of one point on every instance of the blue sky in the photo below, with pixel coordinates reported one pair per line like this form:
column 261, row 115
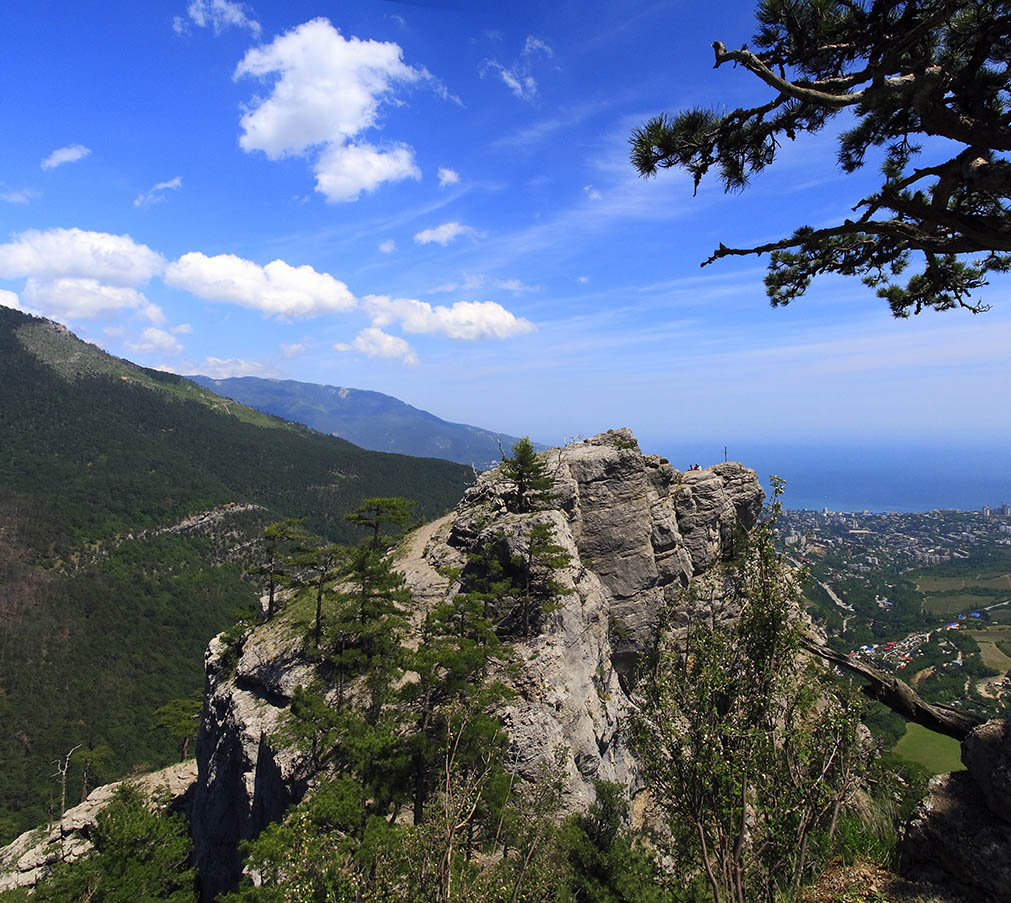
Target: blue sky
column 434, row 200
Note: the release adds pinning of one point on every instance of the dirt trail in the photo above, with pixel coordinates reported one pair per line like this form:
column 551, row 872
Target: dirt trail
column 428, row 586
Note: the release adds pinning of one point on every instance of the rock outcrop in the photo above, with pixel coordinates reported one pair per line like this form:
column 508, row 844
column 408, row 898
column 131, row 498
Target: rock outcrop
column 960, row 834
column 636, row 530
column 28, row 859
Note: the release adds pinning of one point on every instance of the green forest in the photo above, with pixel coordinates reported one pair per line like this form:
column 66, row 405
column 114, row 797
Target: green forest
column 104, row 617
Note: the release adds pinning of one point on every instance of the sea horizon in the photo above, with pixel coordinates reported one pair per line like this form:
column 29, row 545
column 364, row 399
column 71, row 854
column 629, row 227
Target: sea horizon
column 879, row 477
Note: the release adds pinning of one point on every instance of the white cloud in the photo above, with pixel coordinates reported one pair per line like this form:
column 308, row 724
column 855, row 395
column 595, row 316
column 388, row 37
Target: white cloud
column 216, row 14
column 592, row 193
column 20, row 196
column 277, row 288
column 326, row 91
column 534, row 45
column 374, row 342
column 470, row 282
column 157, row 192
column 466, row 320
column 182, row 329
column 81, row 299
column 223, row 368
column 114, row 259
column 443, row 234
column 582, row 280
column 293, row 350
column 448, row 177
column 343, row 172
column 10, row 299
column 156, row 340
column 388, row 246
column 69, row 154
column 154, row 313
column 524, row 86
column 519, row 76
column 517, row 286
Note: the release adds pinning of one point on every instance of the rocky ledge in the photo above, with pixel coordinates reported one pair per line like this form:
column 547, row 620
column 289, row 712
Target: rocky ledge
column 27, row 860
column 636, row 531
column 960, row 834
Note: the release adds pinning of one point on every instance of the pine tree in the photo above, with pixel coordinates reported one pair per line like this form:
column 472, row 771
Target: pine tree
column 279, row 540
column 927, row 81
column 528, row 473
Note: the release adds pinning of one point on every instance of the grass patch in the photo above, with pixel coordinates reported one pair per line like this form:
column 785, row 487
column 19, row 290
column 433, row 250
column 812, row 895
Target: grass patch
column 935, row 752
column 951, row 603
column 993, row 647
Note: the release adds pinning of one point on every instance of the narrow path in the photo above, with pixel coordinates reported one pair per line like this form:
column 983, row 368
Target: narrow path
column 428, row 586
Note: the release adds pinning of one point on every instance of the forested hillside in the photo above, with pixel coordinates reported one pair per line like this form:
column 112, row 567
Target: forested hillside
column 108, row 593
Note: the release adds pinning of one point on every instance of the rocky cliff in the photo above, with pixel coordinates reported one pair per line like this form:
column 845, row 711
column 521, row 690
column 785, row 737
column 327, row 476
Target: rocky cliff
column 32, row 855
column 636, row 531
column 960, row 834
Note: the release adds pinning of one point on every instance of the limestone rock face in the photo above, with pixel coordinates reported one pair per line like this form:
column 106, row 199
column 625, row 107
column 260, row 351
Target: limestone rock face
column 244, row 783
column 986, row 753
column 635, row 529
column 28, row 859
column 951, row 838
column 961, row 832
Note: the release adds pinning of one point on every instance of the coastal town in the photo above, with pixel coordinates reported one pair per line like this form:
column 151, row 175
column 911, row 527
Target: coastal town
column 924, row 595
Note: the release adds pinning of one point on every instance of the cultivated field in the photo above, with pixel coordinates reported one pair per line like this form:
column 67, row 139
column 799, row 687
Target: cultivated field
column 935, row 752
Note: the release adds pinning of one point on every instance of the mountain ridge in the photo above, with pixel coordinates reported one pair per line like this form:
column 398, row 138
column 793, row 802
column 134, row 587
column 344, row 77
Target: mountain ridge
column 370, row 419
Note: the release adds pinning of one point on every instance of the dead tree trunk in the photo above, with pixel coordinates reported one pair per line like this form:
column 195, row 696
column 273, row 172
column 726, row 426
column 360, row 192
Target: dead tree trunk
column 899, row 696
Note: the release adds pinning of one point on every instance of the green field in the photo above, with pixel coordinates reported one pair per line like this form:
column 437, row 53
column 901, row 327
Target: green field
column 992, row 645
column 950, row 594
column 951, row 603
column 935, row 752
column 932, row 584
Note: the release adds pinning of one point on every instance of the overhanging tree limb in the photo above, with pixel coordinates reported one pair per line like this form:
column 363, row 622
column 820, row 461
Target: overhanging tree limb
column 899, row 696
column 907, row 70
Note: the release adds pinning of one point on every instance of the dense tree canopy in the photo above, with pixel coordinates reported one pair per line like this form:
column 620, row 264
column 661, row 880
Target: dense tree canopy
column 925, row 80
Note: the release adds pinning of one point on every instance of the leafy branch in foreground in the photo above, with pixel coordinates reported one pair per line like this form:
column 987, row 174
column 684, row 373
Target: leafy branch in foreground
column 747, row 753
column 909, row 72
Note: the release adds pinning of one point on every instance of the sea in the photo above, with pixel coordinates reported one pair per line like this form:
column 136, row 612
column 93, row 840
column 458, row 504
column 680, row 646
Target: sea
column 875, row 477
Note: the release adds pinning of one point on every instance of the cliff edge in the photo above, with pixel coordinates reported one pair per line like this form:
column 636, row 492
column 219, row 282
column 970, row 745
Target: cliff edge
column 635, row 529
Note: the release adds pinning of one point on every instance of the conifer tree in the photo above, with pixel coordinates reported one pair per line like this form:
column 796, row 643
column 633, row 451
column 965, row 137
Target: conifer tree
column 927, row 82
column 376, row 513
column 320, row 568
column 279, row 540
column 528, row 473
column 450, row 665
column 537, row 589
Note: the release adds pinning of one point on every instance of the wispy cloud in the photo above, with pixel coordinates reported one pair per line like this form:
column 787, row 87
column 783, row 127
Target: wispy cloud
column 20, row 196
column 518, row 76
column 157, row 192
column 217, row 15
column 444, row 234
column 62, row 155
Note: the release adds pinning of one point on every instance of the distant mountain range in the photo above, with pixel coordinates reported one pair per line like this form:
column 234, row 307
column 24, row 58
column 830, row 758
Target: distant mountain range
column 369, row 419
column 130, row 506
